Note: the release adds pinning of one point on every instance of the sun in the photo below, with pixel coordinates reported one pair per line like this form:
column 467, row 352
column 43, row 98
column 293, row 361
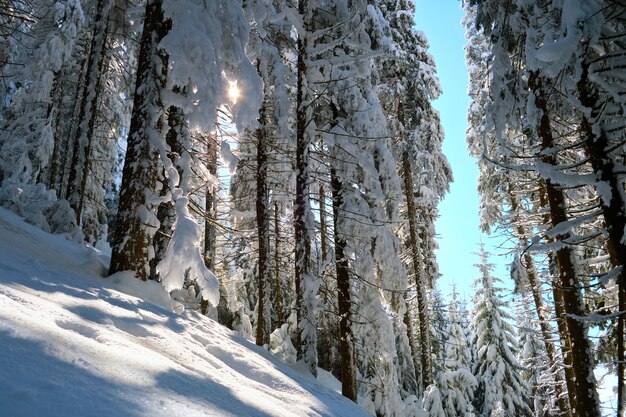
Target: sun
column 233, row 91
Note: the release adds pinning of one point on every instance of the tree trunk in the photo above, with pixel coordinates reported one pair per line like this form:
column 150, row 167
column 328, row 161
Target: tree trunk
column 559, row 312
column 541, row 311
column 410, row 336
column 597, row 148
column 305, row 342
column 420, row 285
column 346, row 340
column 166, row 212
column 323, row 226
column 88, row 111
column 262, row 223
column 278, row 291
column 210, row 214
column 59, row 175
column 582, row 359
column 135, row 226
column 210, row 207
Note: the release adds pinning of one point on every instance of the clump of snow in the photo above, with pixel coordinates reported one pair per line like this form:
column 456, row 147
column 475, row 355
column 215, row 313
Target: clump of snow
column 151, row 291
column 281, row 346
column 40, row 207
column 184, row 246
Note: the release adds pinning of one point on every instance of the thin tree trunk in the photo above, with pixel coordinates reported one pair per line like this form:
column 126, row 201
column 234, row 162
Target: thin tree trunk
column 541, row 311
column 346, row 340
column 262, row 223
column 70, row 159
column 559, row 312
column 278, row 291
column 89, row 102
column 305, row 343
column 410, row 335
column 420, row 285
column 210, row 215
column 323, row 226
column 587, row 396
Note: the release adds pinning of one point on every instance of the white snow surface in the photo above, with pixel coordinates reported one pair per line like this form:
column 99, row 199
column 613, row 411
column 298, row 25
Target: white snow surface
column 74, row 344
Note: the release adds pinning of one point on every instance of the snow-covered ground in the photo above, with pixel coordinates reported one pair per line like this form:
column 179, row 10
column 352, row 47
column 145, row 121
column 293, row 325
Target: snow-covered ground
column 75, row 344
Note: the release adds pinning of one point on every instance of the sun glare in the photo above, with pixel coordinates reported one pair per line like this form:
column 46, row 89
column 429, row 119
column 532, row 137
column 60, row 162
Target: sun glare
column 233, row 91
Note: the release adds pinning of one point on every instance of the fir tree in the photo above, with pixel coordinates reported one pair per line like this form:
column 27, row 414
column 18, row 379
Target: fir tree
column 501, row 388
column 461, row 383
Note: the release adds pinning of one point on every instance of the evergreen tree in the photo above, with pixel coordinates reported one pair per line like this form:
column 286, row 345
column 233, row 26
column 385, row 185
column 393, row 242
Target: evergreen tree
column 501, row 388
column 461, row 383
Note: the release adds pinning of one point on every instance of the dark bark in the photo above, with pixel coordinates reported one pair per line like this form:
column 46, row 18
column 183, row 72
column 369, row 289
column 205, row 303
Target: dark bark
column 559, row 312
column 323, row 226
column 210, row 215
column 346, row 340
column 306, row 348
column 278, row 291
column 588, row 403
column 85, row 129
column 210, row 207
column 262, row 223
column 542, row 313
column 597, row 148
column 59, row 177
column 420, row 285
column 132, row 237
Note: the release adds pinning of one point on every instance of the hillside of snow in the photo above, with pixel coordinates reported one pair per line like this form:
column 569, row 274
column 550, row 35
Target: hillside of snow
column 76, row 344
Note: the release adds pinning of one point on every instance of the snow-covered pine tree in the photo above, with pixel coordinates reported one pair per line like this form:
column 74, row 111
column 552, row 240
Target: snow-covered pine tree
column 303, row 19
column 33, row 109
column 409, row 84
column 496, row 368
column 432, row 403
column 136, row 217
column 461, row 383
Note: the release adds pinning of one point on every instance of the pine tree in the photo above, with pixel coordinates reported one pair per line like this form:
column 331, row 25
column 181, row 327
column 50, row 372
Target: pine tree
column 409, row 84
column 461, row 383
column 500, row 385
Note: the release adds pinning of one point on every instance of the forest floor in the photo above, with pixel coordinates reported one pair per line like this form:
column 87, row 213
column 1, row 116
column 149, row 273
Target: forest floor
column 74, row 343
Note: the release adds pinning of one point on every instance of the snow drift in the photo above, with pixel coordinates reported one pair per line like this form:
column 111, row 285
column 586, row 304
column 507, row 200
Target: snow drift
column 76, row 344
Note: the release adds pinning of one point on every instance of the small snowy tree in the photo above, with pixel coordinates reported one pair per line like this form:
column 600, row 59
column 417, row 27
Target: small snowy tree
column 461, row 383
column 501, row 388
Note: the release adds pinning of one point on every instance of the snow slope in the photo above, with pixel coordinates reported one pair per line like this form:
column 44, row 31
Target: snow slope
column 73, row 344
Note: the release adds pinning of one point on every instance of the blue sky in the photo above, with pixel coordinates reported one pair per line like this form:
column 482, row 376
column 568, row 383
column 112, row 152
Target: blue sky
column 458, row 226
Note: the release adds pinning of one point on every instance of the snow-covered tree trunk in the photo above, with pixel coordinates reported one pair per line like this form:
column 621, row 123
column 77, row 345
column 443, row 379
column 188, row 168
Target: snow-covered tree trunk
column 611, row 201
column 588, row 403
column 279, row 304
column 344, row 298
column 420, row 285
column 85, row 131
column 306, row 291
column 540, row 308
column 136, row 223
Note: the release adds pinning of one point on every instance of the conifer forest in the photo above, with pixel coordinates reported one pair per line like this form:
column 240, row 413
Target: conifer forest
column 277, row 166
